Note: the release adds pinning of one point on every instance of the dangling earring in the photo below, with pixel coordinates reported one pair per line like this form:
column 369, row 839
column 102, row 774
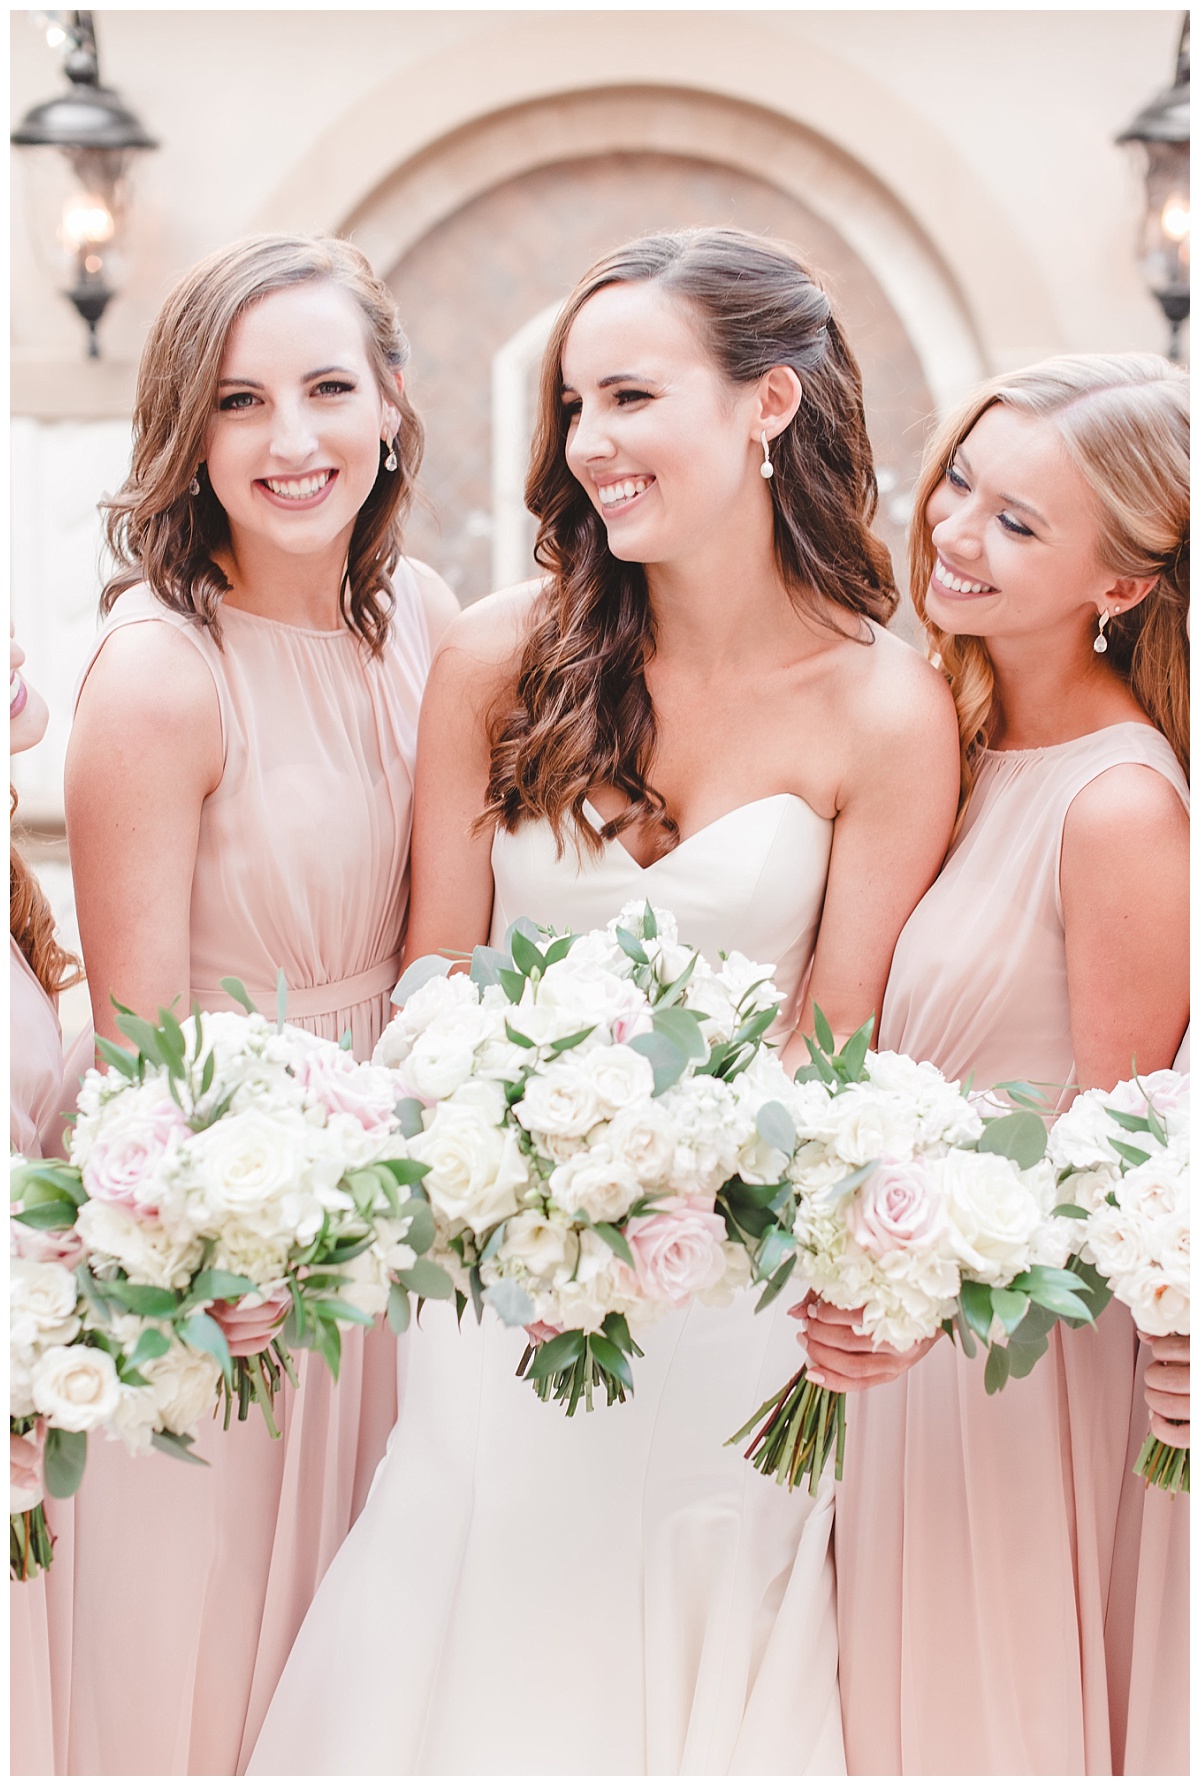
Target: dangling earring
column 766, row 469
column 194, row 487
column 1100, row 643
column 391, row 462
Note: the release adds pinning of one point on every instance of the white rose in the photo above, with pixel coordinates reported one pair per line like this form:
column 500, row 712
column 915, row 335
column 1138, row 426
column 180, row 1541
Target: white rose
column 1158, row 1302
column 184, row 1383
column 477, row 1168
column 1119, row 1238
column 580, row 993
column 994, row 1215
column 543, row 1246
column 561, row 1099
column 443, row 1055
column 596, row 1183
column 1080, row 1138
column 621, row 1076
column 42, row 1300
column 435, row 999
column 76, row 1387
column 869, row 1125
column 252, row 1158
column 601, row 1284
column 144, row 1249
column 1154, row 1189
column 643, row 1138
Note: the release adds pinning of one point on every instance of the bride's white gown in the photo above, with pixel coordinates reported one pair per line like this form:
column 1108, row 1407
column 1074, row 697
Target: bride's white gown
column 617, row 1593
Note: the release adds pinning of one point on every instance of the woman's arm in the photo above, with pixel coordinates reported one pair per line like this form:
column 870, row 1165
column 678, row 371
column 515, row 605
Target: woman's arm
column 895, row 814
column 451, row 906
column 144, row 753
column 1124, row 883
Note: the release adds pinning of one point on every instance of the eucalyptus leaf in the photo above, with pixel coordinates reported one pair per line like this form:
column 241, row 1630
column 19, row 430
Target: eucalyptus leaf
column 421, row 1227
column 495, row 1241
column 776, row 1247
column 614, row 1240
column 1011, row 1306
column 611, row 1359
column 511, row 1302
column 64, row 1461
column 996, row 1370
column 681, row 1028
column 649, row 922
column 399, row 1309
column 58, row 1214
column 120, row 1058
column 667, row 1059
column 776, row 1128
column 237, row 992
column 776, row 1284
column 822, row 1030
column 202, row 1332
column 975, row 1300
column 486, row 964
column 178, row 1446
column 427, row 1280
column 1020, row 1137
column 632, row 947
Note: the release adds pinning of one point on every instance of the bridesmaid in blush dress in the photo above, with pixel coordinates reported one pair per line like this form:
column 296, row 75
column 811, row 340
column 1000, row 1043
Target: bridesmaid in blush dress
column 1012, row 1599
column 239, row 793
column 41, row 1088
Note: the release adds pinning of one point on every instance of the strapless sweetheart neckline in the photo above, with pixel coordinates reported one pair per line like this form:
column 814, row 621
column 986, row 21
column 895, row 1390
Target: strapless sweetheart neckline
column 599, row 821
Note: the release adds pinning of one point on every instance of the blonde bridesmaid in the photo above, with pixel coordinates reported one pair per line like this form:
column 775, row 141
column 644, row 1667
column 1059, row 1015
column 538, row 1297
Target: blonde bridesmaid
column 239, row 789
column 41, row 1088
column 1011, row 1598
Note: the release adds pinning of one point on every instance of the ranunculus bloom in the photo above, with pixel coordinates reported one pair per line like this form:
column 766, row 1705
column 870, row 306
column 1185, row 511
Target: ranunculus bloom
column 897, row 1209
column 249, row 1326
column 678, row 1252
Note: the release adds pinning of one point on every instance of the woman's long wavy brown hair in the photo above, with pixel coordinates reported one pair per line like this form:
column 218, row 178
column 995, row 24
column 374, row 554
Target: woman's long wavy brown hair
column 31, row 921
column 580, row 713
column 162, row 535
column 1123, row 419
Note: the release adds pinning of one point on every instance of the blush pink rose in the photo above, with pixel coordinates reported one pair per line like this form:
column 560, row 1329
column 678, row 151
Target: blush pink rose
column 48, row 1246
column 25, row 1482
column 677, row 1252
column 347, row 1087
column 541, row 1331
column 126, row 1153
column 1169, row 1092
column 897, row 1210
column 251, row 1329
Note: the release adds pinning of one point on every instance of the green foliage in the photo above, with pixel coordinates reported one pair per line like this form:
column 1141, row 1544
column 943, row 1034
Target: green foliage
column 1020, row 1137
column 65, row 1460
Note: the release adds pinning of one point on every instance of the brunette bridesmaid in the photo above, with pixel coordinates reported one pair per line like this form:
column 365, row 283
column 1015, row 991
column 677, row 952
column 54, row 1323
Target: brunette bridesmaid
column 239, row 789
column 41, row 1088
column 1011, row 1598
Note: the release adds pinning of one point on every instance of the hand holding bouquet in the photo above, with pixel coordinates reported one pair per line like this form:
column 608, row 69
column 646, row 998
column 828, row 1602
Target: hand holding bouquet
column 897, row 1198
column 1123, row 1161
column 579, row 1102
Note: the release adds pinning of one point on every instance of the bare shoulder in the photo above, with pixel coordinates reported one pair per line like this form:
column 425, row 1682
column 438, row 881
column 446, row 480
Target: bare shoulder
column 897, row 695
column 1124, row 810
column 147, row 674
column 490, row 633
column 437, row 598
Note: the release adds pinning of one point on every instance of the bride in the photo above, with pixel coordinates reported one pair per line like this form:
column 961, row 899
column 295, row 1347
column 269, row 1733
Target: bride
column 699, row 705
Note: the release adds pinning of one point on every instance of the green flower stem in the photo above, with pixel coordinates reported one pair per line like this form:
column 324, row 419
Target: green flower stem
column 804, row 1423
column 1165, row 1466
column 30, row 1545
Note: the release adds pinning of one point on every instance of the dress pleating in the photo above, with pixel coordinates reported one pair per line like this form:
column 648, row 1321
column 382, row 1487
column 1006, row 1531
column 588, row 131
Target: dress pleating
column 619, row 1592
column 1011, row 1599
column 302, row 865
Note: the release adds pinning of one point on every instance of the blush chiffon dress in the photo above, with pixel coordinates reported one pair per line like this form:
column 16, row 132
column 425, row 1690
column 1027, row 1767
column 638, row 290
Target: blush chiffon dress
column 1011, row 1598
column 190, row 1584
column 617, row 1593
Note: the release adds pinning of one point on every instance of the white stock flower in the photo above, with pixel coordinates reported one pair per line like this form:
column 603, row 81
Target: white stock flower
column 711, row 1127
column 75, row 1387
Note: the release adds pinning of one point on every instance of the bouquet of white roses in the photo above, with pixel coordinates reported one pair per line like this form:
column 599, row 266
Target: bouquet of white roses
column 897, row 1197
column 72, row 1373
column 1123, row 1160
column 579, row 1102
column 240, row 1187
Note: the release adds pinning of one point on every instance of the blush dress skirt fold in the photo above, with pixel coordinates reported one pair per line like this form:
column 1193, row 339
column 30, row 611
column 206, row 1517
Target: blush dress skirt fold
column 204, row 1576
column 1011, row 1599
column 616, row 1593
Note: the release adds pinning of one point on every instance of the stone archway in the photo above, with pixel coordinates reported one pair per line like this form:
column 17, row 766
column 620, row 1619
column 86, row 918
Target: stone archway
column 477, row 291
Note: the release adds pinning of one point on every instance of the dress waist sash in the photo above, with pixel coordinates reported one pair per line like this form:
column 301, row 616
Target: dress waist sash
column 311, row 1001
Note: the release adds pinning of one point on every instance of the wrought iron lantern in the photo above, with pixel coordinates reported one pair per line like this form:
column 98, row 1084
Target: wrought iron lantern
column 80, row 147
column 1163, row 131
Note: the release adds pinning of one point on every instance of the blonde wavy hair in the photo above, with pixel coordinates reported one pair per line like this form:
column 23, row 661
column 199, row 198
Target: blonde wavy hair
column 162, row 534
column 1123, row 420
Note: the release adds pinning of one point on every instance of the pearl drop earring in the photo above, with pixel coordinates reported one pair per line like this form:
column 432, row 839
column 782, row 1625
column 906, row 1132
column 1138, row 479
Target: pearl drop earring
column 766, row 469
